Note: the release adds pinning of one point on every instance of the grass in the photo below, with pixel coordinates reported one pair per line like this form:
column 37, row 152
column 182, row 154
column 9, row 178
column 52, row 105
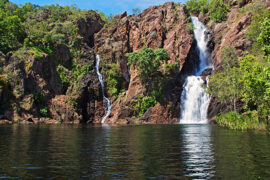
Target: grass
column 248, row 121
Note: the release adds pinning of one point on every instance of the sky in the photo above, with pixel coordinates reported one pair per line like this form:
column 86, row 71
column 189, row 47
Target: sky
column 107, row 6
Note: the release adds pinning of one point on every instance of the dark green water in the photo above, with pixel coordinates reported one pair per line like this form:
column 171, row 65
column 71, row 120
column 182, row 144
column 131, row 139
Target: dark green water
column 132, row 152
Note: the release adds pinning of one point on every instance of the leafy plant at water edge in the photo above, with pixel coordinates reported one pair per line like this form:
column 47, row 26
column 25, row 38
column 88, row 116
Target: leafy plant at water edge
column 143, row 104
column 44, row 112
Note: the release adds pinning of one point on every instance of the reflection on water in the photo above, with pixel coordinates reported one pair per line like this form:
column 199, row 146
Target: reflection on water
column 198, row 152
column 132, row 152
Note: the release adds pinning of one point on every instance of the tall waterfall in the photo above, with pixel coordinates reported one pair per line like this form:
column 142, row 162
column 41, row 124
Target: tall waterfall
column 106, row 102
column 194, row 100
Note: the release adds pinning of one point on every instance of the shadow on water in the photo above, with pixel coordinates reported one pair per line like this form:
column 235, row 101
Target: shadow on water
column 129, row 152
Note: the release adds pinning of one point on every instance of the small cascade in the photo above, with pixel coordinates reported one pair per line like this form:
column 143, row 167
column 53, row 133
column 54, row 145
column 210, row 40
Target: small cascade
column 194, row 100
column 106, row 101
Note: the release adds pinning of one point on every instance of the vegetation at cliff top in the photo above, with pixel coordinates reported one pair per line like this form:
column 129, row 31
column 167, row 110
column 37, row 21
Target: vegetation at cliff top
column 33, row 31
column 217, row 8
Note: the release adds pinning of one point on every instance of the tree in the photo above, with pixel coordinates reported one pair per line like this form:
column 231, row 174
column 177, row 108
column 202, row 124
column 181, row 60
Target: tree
column 227, row 85
column 218, row 10
column 229, row 57
column 264, row 37
column 197, row 6
column 147, row 61
column 11, row 32
column 256, row 81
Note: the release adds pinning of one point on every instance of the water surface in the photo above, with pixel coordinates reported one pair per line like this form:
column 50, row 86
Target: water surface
column 129, row 152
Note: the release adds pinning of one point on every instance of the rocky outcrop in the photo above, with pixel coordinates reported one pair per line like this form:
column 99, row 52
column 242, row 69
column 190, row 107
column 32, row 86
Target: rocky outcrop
column 62, row 110
column 88, row 26
column 164, row 26
column 31, row 86
column 231, row 33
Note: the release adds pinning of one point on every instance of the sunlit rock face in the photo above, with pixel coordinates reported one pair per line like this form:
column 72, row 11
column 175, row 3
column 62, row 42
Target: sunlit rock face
column 165, row 26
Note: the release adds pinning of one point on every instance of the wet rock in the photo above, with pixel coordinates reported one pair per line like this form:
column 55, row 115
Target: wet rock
column 4, row 121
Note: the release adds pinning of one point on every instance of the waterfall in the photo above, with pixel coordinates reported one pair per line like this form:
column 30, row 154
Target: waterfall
column 106, row 102
column 194, row 100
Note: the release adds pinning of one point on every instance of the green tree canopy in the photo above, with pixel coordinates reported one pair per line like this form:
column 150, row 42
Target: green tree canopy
column 147, row 61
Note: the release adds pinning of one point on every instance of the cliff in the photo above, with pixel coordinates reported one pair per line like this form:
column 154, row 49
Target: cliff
column 49, row 74
column 52, row 77
column 165, row 26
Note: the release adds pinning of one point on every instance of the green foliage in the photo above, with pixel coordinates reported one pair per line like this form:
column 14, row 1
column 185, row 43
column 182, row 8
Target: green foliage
column 226, row 85
column 259, row 12
column 79, row 71
column 248, row 82
column 147, row 61
column 44, row 112
column 264, row 37
column 39, row 98
column 171, row 68
column 228, row 56
column 143, row 104
column 233, row 120
column 197, row 6
column 114, row 80
column 190, row 28
column 11, row 32
column 218, row 10
column 65, row 80
column 256, row 76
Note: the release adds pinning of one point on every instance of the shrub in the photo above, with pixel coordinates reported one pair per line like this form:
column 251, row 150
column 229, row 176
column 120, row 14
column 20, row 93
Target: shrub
column 44, row 112
column 264, row 37
column 234, row 120
column 197, row 6
column 229, row 57
column 114, row 79
column 147, row 61
column 171, row 68
column 143, row 104
column 218, row 10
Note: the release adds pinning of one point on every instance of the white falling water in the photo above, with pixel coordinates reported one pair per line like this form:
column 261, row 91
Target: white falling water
column 194, row 100
column 106, row 102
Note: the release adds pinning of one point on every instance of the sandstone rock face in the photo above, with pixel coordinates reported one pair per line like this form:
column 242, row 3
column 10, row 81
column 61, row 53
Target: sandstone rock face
column 89, row 26
column 163, row 26
column 62, row 111
column 231, row 32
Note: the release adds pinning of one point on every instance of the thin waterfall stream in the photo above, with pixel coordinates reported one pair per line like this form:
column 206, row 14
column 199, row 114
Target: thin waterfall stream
column 106, row 101
column 194, row 99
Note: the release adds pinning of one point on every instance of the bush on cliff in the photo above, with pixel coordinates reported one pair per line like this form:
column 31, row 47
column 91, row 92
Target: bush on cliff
column 114, row 79
column 197, row 6
column 147, row 61
column 248, row 81
column 217, row 8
